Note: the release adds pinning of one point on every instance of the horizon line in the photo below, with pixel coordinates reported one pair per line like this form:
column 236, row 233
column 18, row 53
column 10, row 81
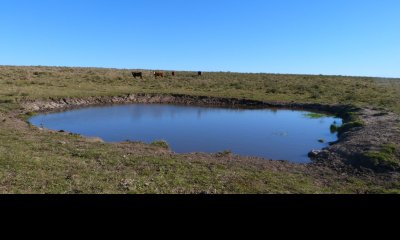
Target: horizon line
column 213, row 71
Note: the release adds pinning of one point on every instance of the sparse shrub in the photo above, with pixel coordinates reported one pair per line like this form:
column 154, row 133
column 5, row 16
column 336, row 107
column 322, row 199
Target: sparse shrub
column 273, row 91
column 224, row 153
column 38, row 74
column 314, row 94
column 161, row 144
column 350, row 97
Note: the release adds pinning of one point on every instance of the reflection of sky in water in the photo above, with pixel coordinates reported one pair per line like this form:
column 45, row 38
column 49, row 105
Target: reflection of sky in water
column 276, row 134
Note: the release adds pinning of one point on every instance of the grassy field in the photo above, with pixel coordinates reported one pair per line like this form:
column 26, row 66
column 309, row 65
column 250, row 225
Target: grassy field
column 45, row 82
column 34, row 161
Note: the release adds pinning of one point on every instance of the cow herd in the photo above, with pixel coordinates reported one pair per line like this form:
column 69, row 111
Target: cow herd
column 158, row 74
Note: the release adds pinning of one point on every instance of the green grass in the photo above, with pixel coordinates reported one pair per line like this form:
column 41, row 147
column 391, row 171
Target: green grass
column 34, row 161
column 315, row 115
column 349, row 125
column 351, row 120
column 387, row 157
column 41, row 163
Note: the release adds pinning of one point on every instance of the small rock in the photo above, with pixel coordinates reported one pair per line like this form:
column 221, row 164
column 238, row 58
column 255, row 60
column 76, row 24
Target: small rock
column 95, row 140
column 314, row 153
column 126, row 184
column 322, row 140
column 61, row 131
column 63, row 143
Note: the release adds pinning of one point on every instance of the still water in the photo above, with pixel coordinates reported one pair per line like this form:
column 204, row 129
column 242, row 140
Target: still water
column 272, row 134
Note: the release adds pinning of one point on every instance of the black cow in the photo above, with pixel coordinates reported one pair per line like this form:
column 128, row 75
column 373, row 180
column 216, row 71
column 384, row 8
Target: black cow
column 137, row 74
column 199, row 73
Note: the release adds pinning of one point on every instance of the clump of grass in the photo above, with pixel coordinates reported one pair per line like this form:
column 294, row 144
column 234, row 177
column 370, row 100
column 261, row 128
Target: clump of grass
column 161, row 144
column 351, row 119
column 350, row 116
column 27, row 115
column 224, row 153
column 386, row 157
column 315, row 115
column 334, row 128
column 315, row 94
column 348, row 126
column 86, row 154
column 381, row 114
column 6, row 101
column 30, row 114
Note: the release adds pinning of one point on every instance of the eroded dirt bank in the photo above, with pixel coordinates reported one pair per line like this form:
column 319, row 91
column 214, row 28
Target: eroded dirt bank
column 348, row 154
column 67, row 103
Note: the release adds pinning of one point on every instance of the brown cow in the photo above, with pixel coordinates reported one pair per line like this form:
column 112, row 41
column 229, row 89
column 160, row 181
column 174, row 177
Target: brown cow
column 159, row 74
column 137, row 74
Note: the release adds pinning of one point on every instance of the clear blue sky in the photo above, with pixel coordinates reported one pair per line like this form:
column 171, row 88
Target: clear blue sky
column 341, row 37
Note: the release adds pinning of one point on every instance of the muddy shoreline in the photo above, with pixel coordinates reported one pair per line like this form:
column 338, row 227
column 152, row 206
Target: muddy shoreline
column 347, row 154
column 70, row 103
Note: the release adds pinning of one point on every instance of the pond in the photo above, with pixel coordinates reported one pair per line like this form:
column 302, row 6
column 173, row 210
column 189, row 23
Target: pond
column 271, row 134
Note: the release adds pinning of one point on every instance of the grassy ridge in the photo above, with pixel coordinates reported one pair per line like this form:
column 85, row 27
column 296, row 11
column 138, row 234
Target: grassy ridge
column 45, row 82
column 34, row 161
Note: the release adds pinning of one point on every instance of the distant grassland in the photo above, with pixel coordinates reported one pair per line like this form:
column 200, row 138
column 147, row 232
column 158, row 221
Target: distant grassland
column 18, row 83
